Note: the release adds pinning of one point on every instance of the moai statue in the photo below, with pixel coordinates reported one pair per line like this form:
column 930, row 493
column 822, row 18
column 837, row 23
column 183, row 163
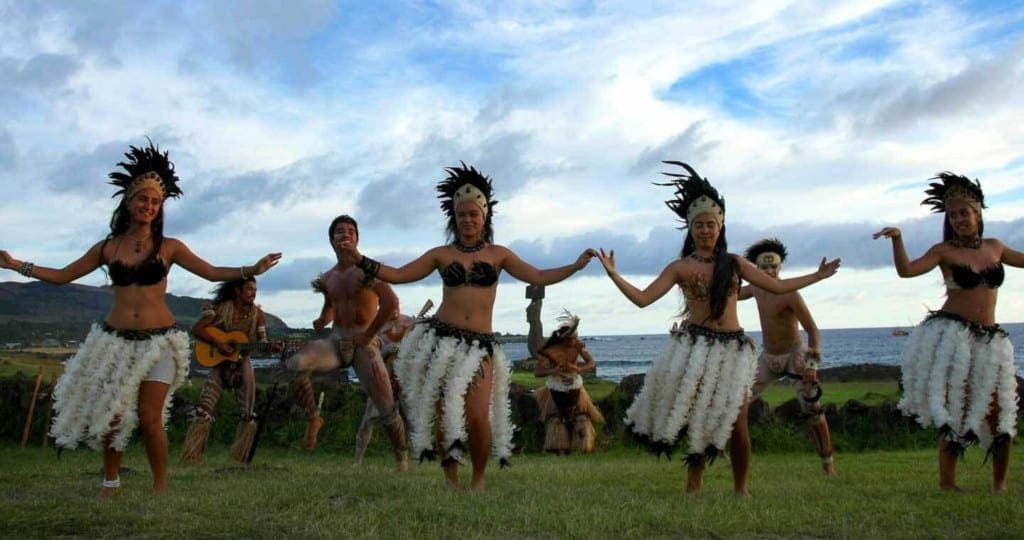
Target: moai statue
column 535, row 340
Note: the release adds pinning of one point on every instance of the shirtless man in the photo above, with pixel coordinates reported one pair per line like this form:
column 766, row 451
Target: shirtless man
column 358, row 309
column 783, row 353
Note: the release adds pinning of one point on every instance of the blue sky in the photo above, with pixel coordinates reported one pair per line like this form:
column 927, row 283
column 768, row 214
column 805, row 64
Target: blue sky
column 820, row 122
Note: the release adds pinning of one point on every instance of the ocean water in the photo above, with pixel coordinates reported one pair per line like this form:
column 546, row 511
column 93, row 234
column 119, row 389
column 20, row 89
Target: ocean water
column 618, row 356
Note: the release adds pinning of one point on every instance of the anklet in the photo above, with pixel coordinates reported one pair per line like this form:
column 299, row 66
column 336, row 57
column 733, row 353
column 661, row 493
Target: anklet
column 112, row 484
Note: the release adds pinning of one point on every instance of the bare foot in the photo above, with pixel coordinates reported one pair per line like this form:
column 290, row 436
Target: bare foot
column 953, row 488
column 451, row 477
column 829, row 469
column 743, row 494
column 1000, row 487
column 403, row 464
column 312, row 428
column 108, row 493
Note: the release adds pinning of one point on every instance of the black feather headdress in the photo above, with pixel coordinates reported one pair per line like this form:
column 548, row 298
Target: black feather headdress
column 768, row 245
column 690, row 187
column 145, row 160
column 457, row 178
column 952, row 186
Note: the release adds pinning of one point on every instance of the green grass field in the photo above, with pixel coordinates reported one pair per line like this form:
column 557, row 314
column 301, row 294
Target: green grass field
column 620, row 493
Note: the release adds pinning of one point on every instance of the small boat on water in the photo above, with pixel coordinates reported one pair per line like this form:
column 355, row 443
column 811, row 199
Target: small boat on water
column 899, row 332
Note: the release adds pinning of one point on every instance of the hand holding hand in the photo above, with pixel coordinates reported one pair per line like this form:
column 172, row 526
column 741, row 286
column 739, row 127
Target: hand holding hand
column 607, row 260
column 266, row 263
column 887, row 232
column 828, row 269
column 584, row 259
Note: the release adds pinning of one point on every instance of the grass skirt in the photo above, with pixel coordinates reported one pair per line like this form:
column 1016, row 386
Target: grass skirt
column 697, row 385
column 437, row 363
column 953, row 372
column 100, row 385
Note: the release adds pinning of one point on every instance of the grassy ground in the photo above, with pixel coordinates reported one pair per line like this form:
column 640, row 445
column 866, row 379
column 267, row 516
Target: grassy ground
column 621, row 493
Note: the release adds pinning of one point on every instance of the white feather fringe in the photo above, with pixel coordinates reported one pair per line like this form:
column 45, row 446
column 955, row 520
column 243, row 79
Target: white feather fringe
column 429, row 367
column 100, row 384
column 950, row 375
column 696, row 383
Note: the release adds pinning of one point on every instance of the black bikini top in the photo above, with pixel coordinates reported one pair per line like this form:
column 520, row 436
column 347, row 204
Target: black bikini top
column 481, row 274
column 148, row 272
column 963, row 277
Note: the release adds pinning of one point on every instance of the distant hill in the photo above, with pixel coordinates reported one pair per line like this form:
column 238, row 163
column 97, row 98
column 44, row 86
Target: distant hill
column 36, row 310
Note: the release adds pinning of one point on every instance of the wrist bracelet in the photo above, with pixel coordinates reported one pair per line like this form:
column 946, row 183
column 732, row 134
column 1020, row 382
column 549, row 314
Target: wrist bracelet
column 369, row 267
column 241, row 271
column 26, row 269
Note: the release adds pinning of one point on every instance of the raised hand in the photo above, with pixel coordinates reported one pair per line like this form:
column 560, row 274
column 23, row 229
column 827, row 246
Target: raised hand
column 828, row 269
column 584, row 259
column 6, row 261
column 607, row 260
column 266, row 263
column 887, row 232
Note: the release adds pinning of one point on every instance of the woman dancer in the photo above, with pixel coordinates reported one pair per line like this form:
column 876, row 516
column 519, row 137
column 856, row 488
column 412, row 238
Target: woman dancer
column 450, row 366
column 958, row 369
column 700, row 383
column 124, row 373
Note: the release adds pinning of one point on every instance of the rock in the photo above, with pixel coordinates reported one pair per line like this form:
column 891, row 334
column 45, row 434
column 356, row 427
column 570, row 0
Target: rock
column 759, row 412
column 631, row 384
column 860, row 372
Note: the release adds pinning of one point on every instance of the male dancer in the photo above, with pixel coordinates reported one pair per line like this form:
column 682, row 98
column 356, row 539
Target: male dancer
column 783, row 353
column 358, row 309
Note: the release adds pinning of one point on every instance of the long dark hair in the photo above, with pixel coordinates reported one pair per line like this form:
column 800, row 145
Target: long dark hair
column 937, row 194
column 228, row 290
column 138, row 162
column 723, row 274
column 690, row 186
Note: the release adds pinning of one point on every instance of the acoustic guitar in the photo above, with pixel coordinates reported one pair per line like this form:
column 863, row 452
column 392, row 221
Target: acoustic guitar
column 208, row 355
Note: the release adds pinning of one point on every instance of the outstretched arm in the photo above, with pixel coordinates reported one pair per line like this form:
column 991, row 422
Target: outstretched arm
column 1011, row 257
column 181, row 255
column 415, row 270
column 646, row 297
column 756, row 277
column 904, row 266
column 746, row 293
column 80, row 267
column 524, row 271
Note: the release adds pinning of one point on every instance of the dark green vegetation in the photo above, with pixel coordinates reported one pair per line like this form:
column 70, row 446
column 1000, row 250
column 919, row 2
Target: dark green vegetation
column 36, row 310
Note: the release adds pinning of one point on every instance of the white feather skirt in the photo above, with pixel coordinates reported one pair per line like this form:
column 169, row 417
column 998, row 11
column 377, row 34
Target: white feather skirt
column 437, row 363
column 698, row 383
column 953, row 372
column 100, row 384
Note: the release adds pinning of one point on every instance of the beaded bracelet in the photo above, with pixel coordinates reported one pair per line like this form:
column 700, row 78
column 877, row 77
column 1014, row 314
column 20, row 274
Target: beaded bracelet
column 26, row 269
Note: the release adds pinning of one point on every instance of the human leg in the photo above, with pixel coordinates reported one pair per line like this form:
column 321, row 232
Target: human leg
column 739, row 452
column 199, row 429
column 152, row 396
column 478, row 422
column 376, row 383
column 365, row 432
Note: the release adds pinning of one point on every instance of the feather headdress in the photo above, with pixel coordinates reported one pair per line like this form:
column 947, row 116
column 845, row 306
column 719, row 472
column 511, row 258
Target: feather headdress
column 453, row 189
column 568, row 323
column 146, row 164
column 694, row 195
column 768, row 245
column 952, row 186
